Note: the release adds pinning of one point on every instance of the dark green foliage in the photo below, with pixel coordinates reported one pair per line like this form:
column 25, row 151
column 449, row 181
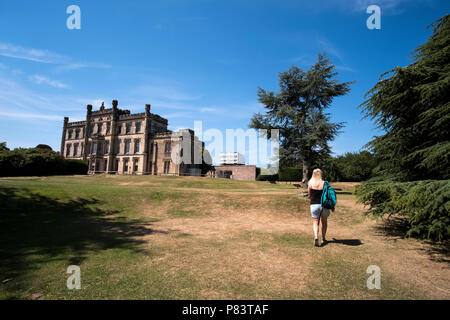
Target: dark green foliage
column 267, row 177
column 44, row 147
column 413, row 108
column 351, row 166
column 3, row 147
column 355, row 166
column 424, row 204
column 206, row 165
column 74, row 166
column 290, row 174
column 297, row 111
column 329, row 169
column 37, row 162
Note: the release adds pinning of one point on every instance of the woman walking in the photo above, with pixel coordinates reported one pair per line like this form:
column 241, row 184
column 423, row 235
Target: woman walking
column 315, row 187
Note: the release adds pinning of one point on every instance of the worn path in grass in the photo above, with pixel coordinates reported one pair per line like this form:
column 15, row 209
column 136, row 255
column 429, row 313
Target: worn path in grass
column 199, row 238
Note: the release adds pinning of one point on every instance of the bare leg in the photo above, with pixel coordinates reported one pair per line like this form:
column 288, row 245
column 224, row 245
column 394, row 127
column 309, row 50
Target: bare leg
column 324, row 227
column 316, row 228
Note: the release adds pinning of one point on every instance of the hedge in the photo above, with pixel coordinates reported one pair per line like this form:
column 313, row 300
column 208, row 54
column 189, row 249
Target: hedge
column 290, row 174
column 267, row 177
column 38, row 162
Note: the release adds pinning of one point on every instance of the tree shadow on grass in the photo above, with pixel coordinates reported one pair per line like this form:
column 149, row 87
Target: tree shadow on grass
column 397, row 227
column 36, row 229
column 347, row 242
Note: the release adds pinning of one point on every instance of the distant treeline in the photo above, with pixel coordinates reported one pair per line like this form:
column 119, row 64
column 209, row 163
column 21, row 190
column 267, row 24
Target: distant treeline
column 38, row 161
column 348, row 167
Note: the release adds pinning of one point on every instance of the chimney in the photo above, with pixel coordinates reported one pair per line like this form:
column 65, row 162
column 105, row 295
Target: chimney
column 147, row 109
column 114, row 104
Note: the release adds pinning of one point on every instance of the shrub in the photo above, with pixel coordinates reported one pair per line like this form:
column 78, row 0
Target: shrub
column 425, row 204
column 37, row 161
column 74, row 166
column 267, row 177
column 290, row 174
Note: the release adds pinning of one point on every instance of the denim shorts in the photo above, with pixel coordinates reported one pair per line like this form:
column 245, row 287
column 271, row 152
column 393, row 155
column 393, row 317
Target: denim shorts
column 315, row 211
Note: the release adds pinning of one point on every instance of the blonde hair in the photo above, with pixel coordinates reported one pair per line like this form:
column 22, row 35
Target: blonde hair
column 316, row 179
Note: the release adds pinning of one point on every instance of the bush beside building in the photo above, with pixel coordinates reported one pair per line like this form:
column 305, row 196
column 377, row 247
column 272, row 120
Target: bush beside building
column 38, row 161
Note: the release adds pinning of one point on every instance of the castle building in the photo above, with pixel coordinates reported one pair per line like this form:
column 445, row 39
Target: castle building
column 116, row 141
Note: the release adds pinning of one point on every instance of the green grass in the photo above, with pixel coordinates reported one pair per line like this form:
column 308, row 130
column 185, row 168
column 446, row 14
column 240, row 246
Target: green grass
column 109, row 226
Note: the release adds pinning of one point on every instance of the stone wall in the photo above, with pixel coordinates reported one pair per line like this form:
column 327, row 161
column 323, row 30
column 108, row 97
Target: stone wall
column 237, row 172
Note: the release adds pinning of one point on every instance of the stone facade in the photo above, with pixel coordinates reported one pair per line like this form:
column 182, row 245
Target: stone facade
column 116, row 141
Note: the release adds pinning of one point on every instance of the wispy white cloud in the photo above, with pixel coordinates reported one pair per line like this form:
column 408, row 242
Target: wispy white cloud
column 390, row 7
column 38, row 79
column 27, row 115
column 30, row 54
column 387, row 5
column 77, row 66
column 24, row 104
column 64, row 63
column 323, row 45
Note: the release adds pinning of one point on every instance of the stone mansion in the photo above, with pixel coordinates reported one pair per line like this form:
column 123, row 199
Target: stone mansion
column 116, row 141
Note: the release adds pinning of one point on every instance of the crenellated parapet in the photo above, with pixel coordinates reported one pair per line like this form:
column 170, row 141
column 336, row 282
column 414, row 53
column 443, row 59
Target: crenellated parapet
column 76, row 123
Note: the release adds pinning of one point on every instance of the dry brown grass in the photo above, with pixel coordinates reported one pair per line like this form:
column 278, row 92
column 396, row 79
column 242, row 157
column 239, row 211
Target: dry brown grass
column 232, row 253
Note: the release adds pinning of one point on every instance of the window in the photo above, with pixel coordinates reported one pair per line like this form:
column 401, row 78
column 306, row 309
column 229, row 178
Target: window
column 167, row 147
column 136, row 165
column 138, row 127
column 137, row 144
column 127, row 146
column 128, row 128
column 68, row 150
column 108, row 127
column 75, row 149
column 118, row 146
column 92, row 129
column 166, row 167
column 77, row 133
column 99, row 128
column 69, row 134
column 94, row 147
column 99, row 148
column 125, row 165
column 107, row 147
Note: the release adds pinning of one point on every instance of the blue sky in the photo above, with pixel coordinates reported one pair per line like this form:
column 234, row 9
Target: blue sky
column 192, row 60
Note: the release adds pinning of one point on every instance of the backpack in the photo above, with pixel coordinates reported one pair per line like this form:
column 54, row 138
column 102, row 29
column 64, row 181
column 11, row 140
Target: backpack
column 328, row 199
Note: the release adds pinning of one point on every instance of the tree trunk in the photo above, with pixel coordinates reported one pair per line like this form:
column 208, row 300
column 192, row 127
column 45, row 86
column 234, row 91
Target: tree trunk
column 306, row 169
column 306, row 162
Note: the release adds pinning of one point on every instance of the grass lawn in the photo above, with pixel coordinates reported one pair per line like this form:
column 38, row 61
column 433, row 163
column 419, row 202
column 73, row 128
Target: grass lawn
column 147, row 237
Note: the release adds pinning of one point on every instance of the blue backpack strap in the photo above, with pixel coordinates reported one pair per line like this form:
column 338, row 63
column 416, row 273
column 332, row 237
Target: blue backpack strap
column 324, row 192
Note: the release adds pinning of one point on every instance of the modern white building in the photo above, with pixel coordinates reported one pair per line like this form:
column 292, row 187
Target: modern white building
column 231, row 158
